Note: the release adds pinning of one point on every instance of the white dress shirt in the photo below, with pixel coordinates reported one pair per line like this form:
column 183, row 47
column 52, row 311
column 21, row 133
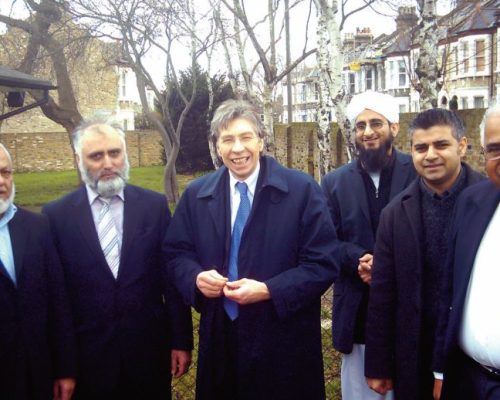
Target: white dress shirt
column 6, row 253
column 234, row 193
column 480, row 330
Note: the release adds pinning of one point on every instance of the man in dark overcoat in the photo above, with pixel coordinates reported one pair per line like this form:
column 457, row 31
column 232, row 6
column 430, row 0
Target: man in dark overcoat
column 410, row 252
column 260, row 333
column 356, row 193
column 468, row 340
column 133, row 332
column 37, row 343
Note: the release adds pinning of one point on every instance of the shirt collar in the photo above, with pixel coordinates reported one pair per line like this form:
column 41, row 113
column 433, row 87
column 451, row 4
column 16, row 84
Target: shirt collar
column 9, row 214
column 92, row 194
column 251, row 181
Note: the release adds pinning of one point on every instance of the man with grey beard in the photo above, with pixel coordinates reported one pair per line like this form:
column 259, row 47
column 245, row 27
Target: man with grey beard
column 37, row 349
column 133, row 331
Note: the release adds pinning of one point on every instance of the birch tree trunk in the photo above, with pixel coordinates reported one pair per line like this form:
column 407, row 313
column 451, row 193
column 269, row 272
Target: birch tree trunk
column 330, row 63
column 427, row 70
column 269, row 66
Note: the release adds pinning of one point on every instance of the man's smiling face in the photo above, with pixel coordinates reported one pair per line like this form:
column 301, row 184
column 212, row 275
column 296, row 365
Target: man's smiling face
column 239, row 146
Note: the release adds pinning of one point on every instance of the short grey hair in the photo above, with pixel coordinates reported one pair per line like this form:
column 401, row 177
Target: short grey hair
column 493, row 109
column 2, row 147
column 232, row 109
column 94, row 124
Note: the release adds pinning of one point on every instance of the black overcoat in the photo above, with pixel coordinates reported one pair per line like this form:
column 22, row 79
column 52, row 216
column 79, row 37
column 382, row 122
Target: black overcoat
column 348, row 203
column 287, row 243
column 37, row 343
column 473, row 212
column 394, row 320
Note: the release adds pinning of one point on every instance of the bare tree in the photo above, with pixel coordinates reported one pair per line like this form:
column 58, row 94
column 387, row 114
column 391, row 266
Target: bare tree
column 330, row 58
column 267, row 58
column 42, row 36
column 142, row 26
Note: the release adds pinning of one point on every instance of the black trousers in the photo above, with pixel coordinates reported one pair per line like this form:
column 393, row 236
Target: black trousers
column 470, row 381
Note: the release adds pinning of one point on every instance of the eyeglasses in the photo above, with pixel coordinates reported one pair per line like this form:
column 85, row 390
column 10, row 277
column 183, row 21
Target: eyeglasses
column 6, row 173
column 492, row 152
column 375, row 124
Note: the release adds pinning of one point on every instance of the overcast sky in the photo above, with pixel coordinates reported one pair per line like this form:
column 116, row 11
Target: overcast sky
column 256, row 9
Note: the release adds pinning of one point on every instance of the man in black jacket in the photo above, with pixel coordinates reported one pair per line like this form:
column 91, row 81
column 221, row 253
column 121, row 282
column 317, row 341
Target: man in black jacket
column 467, row 342
column 356, row 193
column 410, row 252
column 37, row 346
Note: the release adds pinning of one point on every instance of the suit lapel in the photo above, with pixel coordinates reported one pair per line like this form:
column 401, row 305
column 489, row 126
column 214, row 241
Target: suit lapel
column 412, row 208
column 131, row 217
column 475, row 223
column 85, row 222
column 18, row 237
column 218, row 207
column 399, row 176
column 411, row 205
column 358, row 187
column 4, row 274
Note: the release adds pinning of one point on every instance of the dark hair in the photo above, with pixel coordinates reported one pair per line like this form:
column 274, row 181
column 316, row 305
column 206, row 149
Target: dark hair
column 438, row 117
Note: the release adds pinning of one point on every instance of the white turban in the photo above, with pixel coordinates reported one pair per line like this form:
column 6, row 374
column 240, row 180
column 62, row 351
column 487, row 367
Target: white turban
column 381, row 103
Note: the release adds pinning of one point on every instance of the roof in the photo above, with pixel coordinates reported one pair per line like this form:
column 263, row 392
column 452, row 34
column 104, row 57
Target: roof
column 482, row 16
column 11, row 81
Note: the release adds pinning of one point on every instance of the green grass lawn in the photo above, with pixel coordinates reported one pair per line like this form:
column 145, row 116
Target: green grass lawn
column 34, row 189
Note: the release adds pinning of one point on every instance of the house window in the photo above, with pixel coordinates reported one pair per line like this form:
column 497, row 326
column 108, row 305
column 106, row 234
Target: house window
column 465, row 57
column 402, row 108
column 123, row 83
column 369, row 79
column 303, row 93
column 454, row 61
column 125, row 124
column 316, row 91
column 402, row 74
column 465, row 103
column 480, row 56
column 478, row 102
column 392, row 75
column 352, row 84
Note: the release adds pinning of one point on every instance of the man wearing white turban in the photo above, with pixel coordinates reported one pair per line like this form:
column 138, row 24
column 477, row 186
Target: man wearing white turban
column 357, row 193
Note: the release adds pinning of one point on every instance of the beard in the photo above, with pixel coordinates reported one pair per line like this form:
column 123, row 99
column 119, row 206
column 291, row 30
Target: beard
column 5, row 204
column 106, row 187
column 376, row 159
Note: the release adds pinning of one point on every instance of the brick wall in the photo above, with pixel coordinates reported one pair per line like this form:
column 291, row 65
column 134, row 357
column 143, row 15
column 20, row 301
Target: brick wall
column 93, row 77
column 296, row 142
column 296, row 146
column 49, row 151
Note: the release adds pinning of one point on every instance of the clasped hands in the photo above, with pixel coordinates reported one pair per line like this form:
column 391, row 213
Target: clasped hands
column 243, row 291
column 365, row 268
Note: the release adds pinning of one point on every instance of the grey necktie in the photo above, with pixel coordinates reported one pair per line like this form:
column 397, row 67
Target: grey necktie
column 108, row 236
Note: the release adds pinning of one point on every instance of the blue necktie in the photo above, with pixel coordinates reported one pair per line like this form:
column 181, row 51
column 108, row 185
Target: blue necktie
column 239, row 223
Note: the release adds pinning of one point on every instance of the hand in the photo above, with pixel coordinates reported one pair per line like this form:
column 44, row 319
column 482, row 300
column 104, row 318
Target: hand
column 180, row 360
column 381, row 386
column 438, row 385
column 63, row 388
column 210, row 283
column 365, row 268
column 246, row 291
